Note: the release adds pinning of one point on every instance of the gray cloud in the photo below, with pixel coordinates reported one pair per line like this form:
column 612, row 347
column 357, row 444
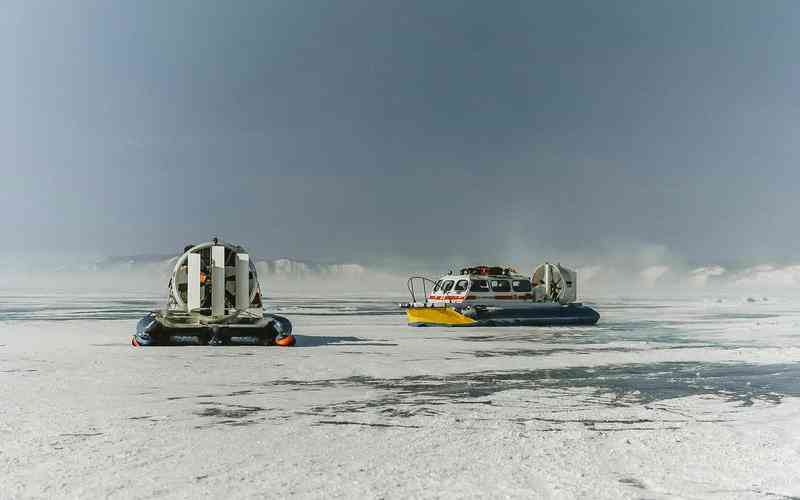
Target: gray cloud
column 371, row 131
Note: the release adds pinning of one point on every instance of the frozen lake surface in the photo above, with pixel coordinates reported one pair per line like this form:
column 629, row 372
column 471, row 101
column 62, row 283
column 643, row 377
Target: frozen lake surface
column 663, row 399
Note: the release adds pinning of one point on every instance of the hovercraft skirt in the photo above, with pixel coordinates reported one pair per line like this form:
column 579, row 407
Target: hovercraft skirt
column 270, row 330
column 544, row 315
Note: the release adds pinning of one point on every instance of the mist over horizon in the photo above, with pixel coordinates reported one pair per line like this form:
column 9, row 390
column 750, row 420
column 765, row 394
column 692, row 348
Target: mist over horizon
column 612, row 271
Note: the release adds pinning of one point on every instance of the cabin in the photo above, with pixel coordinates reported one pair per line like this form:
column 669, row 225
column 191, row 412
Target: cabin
column 484, row 285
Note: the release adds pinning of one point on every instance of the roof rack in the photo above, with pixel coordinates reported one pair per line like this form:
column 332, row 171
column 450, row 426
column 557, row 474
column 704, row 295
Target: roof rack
column 488, row 271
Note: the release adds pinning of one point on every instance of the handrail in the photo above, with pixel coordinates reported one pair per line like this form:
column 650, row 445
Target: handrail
column 424, row 280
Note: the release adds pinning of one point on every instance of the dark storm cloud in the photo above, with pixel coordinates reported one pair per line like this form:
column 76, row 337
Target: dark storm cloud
column 373, row 130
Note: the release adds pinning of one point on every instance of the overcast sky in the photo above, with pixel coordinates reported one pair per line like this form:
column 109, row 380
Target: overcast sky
column 363, row 130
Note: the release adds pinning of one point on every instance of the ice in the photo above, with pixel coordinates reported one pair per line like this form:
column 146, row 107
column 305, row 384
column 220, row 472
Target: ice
column 663, row 399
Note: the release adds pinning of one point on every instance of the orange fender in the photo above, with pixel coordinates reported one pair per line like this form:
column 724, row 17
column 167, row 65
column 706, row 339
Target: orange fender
column 286, row 341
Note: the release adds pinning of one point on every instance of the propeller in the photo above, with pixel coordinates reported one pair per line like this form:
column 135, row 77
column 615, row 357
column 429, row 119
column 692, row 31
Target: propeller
column 179, row 280
column 556, row 285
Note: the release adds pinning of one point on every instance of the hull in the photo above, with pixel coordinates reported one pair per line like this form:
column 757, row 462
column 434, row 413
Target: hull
column 535, row 315
column 154, row 329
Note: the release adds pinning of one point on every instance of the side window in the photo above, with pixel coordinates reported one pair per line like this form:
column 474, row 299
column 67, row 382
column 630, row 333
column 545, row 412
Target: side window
column 501, row 286
column 521, row 285
column 447, row 285
column 479, row 286
column 437, row 286
column 461, row 286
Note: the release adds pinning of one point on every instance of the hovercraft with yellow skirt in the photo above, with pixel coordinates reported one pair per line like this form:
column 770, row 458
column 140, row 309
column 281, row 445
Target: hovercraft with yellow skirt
column 214, row 299
column 499, row 296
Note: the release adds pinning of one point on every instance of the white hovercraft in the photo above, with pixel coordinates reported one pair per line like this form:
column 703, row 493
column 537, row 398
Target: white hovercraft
column 214, row 299
column 497, row 296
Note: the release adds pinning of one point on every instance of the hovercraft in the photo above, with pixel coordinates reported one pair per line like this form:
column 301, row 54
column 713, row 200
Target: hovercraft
column 214, row 299
column 499, row 296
